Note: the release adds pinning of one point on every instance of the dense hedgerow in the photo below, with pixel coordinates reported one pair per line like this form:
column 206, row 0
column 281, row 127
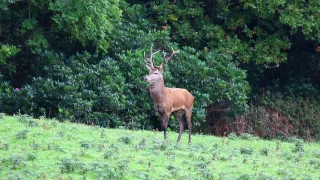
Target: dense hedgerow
column 109, row 91
column 84, row 62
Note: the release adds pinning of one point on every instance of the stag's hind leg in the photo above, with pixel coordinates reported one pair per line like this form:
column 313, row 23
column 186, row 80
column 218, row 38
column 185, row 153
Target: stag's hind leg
column 178, row 116
column 188, row 118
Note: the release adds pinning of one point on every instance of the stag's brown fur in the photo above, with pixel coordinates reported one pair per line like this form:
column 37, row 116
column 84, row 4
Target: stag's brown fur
column 169, row 101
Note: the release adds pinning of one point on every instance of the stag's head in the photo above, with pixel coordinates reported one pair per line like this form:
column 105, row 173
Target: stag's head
column 155, row 72
column 154, row 75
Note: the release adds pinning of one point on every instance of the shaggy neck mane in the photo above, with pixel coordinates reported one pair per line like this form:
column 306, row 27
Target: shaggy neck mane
column 157, row 91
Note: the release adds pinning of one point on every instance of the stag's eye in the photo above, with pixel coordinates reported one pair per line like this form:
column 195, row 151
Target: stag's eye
column 155, row 73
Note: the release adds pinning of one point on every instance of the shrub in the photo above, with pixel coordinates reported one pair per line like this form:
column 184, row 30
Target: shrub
column 142, row 144
column 81, row 92
column 24, row 118
column 232, row 136
column 298, row 146
column 53, row 29
column 213, row 72
column 126, row 139
column 247, row 151
column 159, row 145
column 22, row 134
column 265, row 151
column 109, row 153
column 246, row 136
column 244, row 177
column 31, row 157
column 86, row 144
column 122, row 166
column 4, row 146
column 15, row 161
column 14, row 100
column 316, row 154
column 69, row 165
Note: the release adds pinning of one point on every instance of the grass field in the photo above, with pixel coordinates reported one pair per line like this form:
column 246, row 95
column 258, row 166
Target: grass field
column 47, row 149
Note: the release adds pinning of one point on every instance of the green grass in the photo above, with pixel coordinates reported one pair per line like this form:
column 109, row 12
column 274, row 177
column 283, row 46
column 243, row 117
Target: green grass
column 47, row 149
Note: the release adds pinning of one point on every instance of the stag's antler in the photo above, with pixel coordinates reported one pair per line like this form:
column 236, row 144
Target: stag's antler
column 168, row 58
column 149, row 61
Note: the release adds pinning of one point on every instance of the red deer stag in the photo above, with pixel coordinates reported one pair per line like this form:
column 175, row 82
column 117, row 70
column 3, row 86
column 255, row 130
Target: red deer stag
column 166, row 100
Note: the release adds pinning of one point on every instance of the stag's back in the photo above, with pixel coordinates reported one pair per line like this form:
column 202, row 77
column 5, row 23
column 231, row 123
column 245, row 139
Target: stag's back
column 180, row 99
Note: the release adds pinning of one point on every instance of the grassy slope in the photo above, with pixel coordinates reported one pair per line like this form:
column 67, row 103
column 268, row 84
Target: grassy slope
column 47, row 149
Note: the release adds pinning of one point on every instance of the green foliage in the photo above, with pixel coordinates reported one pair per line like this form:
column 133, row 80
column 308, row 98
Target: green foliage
column 13, row 161
column 138, row 102
column 126, row 139
column 80, row 91
column 86, row 144
column 22, row 134
column 15, row 100
column 23, row 118
column 4, row 146
column 182, row 19
column 246, row 150
column 316, row 154
column 7, row 51
column 232, row 135
column 31, row 157
column 219, row 78
column 265, row 151
column 83, row 60
column 36, row 30
column 69, row 165
column 135, row 31
column 86, row 21
column 298, row 146
column 297, row 15
column 265, row 28
column 235, row 31
column 246, row 136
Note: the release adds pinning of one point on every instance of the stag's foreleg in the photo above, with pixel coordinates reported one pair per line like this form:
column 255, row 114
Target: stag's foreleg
column 178, row 116
column 165, row 120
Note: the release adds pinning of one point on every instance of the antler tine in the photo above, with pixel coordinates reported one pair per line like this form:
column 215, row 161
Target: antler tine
column 149, row 65
column 145, row 57
column 149, row 61
column 151, row 56
column 164, row 54
column 144, row 54
column 167, row 59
